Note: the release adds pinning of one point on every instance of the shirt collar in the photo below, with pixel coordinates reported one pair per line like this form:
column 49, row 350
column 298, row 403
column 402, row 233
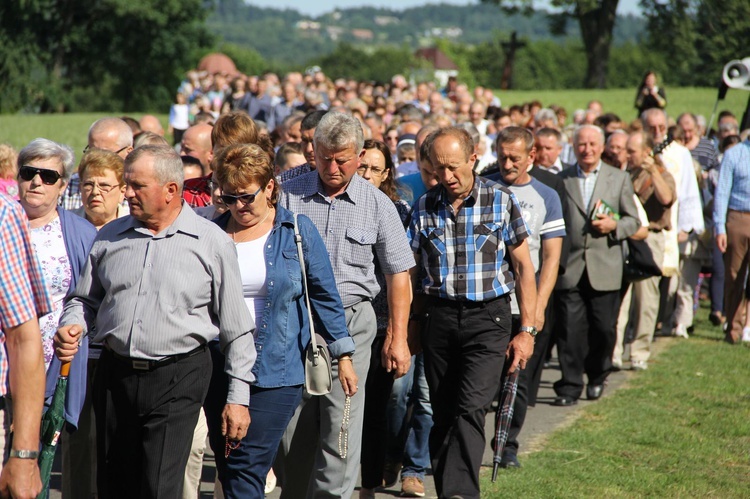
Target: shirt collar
column 186, row 222
column 442, row 195
column 354, row 189
column 580, row 173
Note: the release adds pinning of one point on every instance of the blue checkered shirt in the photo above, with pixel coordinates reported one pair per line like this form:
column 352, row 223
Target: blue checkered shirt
column 587, row 183
column 733, row 189
column 464, row 254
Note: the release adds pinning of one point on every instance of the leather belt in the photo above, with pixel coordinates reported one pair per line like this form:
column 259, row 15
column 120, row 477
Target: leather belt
column 150, row 365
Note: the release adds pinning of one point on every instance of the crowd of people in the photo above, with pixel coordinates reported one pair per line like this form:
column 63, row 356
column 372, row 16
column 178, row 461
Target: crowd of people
column 436, row 240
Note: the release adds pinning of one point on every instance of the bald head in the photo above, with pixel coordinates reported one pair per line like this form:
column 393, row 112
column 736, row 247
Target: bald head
column 111, row 134
column 150, row 123
column 196, row 142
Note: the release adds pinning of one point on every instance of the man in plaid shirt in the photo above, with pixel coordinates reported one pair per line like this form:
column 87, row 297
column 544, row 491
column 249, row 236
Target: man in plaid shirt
column 23, row 298
column 469, row 239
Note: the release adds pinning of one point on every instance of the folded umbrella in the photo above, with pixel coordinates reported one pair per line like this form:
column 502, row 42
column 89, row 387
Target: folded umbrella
column 504, row 417
column 52, row 424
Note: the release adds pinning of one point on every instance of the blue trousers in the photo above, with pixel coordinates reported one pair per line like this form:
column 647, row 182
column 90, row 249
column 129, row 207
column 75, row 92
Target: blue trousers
column 243, row 473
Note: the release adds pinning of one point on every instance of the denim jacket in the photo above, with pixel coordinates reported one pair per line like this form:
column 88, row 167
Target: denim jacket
column 282, row 333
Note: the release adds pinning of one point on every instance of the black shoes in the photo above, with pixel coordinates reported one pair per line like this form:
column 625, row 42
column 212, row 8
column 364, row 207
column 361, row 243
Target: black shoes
column 593, row 392
column 564, row 401
column 509, row 459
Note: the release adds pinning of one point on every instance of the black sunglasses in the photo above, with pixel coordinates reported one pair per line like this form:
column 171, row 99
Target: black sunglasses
column 49, row 177
column 246, row 199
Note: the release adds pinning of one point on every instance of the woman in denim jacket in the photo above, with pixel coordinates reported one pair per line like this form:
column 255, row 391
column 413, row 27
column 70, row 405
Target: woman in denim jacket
column 272, row 283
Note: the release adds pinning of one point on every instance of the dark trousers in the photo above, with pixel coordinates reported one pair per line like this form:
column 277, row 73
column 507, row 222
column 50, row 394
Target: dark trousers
column 375, row 429
column 464, row 349
column 243, row 473
column 586, row 335
column 145, row 422
column 528, row 380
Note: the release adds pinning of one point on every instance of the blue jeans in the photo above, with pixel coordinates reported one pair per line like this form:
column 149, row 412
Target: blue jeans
column 243, row 473
column 417, row 449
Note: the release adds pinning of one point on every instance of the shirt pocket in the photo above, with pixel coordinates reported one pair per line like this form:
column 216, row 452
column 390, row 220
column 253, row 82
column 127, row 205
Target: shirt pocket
column 360, row 246
column 487, row 237
column 433, row 241
column 291, row 262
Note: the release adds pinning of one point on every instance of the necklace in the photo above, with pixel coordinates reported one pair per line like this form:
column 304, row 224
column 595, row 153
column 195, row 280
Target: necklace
column 250, row 231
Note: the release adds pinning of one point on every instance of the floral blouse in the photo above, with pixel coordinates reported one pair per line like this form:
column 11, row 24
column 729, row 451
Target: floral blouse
column 49, row 247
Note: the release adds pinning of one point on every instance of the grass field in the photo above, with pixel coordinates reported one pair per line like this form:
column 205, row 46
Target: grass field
column 71, row 129
column 680, row 429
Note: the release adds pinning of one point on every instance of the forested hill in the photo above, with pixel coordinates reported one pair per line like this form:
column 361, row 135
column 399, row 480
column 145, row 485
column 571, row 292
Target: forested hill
column 288, row 37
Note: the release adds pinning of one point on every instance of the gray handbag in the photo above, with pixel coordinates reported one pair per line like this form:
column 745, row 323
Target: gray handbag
column 318, row 379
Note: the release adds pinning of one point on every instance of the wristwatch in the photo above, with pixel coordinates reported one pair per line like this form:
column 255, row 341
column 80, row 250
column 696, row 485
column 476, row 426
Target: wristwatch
column 24, row 454
column 529, row 329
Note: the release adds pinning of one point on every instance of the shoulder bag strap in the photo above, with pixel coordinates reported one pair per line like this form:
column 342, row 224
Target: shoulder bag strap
column 298, row 240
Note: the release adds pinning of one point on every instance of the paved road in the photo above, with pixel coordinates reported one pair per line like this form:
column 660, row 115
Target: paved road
column 540, row 422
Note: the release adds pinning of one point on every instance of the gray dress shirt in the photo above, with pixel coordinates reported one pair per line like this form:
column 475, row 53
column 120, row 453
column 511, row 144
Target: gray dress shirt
column 356, row 226
column 152, row 296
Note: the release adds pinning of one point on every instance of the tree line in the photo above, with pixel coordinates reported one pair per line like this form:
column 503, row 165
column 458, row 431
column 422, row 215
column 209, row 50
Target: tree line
column 128, row 55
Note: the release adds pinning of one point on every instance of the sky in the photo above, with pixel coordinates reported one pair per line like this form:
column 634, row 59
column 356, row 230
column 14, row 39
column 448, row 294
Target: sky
column 317, row 7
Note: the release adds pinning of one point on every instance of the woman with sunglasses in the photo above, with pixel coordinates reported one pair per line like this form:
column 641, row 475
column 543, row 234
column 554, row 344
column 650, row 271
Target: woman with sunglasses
column 377, row 167
column 263, row 233
column 61, row 242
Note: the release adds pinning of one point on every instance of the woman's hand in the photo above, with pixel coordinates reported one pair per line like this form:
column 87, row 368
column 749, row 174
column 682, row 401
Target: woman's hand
column 347, row 376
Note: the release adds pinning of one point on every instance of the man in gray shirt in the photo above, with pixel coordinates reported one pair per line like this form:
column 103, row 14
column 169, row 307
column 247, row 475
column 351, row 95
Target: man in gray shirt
column 156, row 288
column 361, row 228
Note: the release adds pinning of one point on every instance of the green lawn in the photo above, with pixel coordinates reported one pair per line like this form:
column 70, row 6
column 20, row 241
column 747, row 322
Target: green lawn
column 680, row 429
column 72, row 129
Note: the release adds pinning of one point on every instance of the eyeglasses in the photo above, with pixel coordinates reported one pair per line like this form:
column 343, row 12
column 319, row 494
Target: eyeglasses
column 88, row 187
column 88, row 148
column 246, row 199
column 375, row 171
column 49, row 177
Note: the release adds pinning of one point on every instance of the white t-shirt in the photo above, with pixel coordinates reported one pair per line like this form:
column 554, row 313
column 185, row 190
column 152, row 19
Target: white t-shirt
column 252, row 259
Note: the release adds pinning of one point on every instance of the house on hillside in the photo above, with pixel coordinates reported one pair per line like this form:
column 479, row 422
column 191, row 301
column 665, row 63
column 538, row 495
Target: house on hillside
column 443, row 66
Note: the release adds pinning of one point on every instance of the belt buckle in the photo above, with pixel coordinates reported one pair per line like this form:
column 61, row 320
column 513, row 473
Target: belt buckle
column 141, row 365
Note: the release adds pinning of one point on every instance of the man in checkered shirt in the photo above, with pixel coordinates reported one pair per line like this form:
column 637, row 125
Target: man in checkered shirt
column 23, row 298
column 469, row 240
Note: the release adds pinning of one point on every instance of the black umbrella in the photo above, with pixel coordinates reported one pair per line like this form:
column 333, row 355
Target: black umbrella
column 504, row 417
column 52, row 424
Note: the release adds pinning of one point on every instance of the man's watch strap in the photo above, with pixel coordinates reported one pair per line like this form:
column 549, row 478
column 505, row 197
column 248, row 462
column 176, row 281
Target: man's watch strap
column 24, row 454
column 529, row 329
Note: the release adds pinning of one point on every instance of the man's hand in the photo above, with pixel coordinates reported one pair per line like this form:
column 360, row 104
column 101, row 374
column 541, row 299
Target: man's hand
column 235, row 420
column 66, row 341
column 721, row 242
column 20, row 479
column 604, row 224
column 347, row 377
column 682, row 236
column 520, row 349
column 396, row 357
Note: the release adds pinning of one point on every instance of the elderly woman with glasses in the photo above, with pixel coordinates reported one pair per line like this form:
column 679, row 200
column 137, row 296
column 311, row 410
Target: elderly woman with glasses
column 61, row 242
column 102, row 187
column 271, row 272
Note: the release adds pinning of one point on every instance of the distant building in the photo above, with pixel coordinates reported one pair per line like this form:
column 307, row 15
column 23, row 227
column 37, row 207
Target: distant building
column 386, row 20
column 450, row 32
column 363, row 34
column 442, row 65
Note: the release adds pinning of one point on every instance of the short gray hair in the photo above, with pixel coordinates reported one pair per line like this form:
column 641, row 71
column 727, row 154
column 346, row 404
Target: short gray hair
column 545, row 114
column 46, row 149
column 338, row 131
column 167, row 163
column 654, row 110
column 581, row 128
